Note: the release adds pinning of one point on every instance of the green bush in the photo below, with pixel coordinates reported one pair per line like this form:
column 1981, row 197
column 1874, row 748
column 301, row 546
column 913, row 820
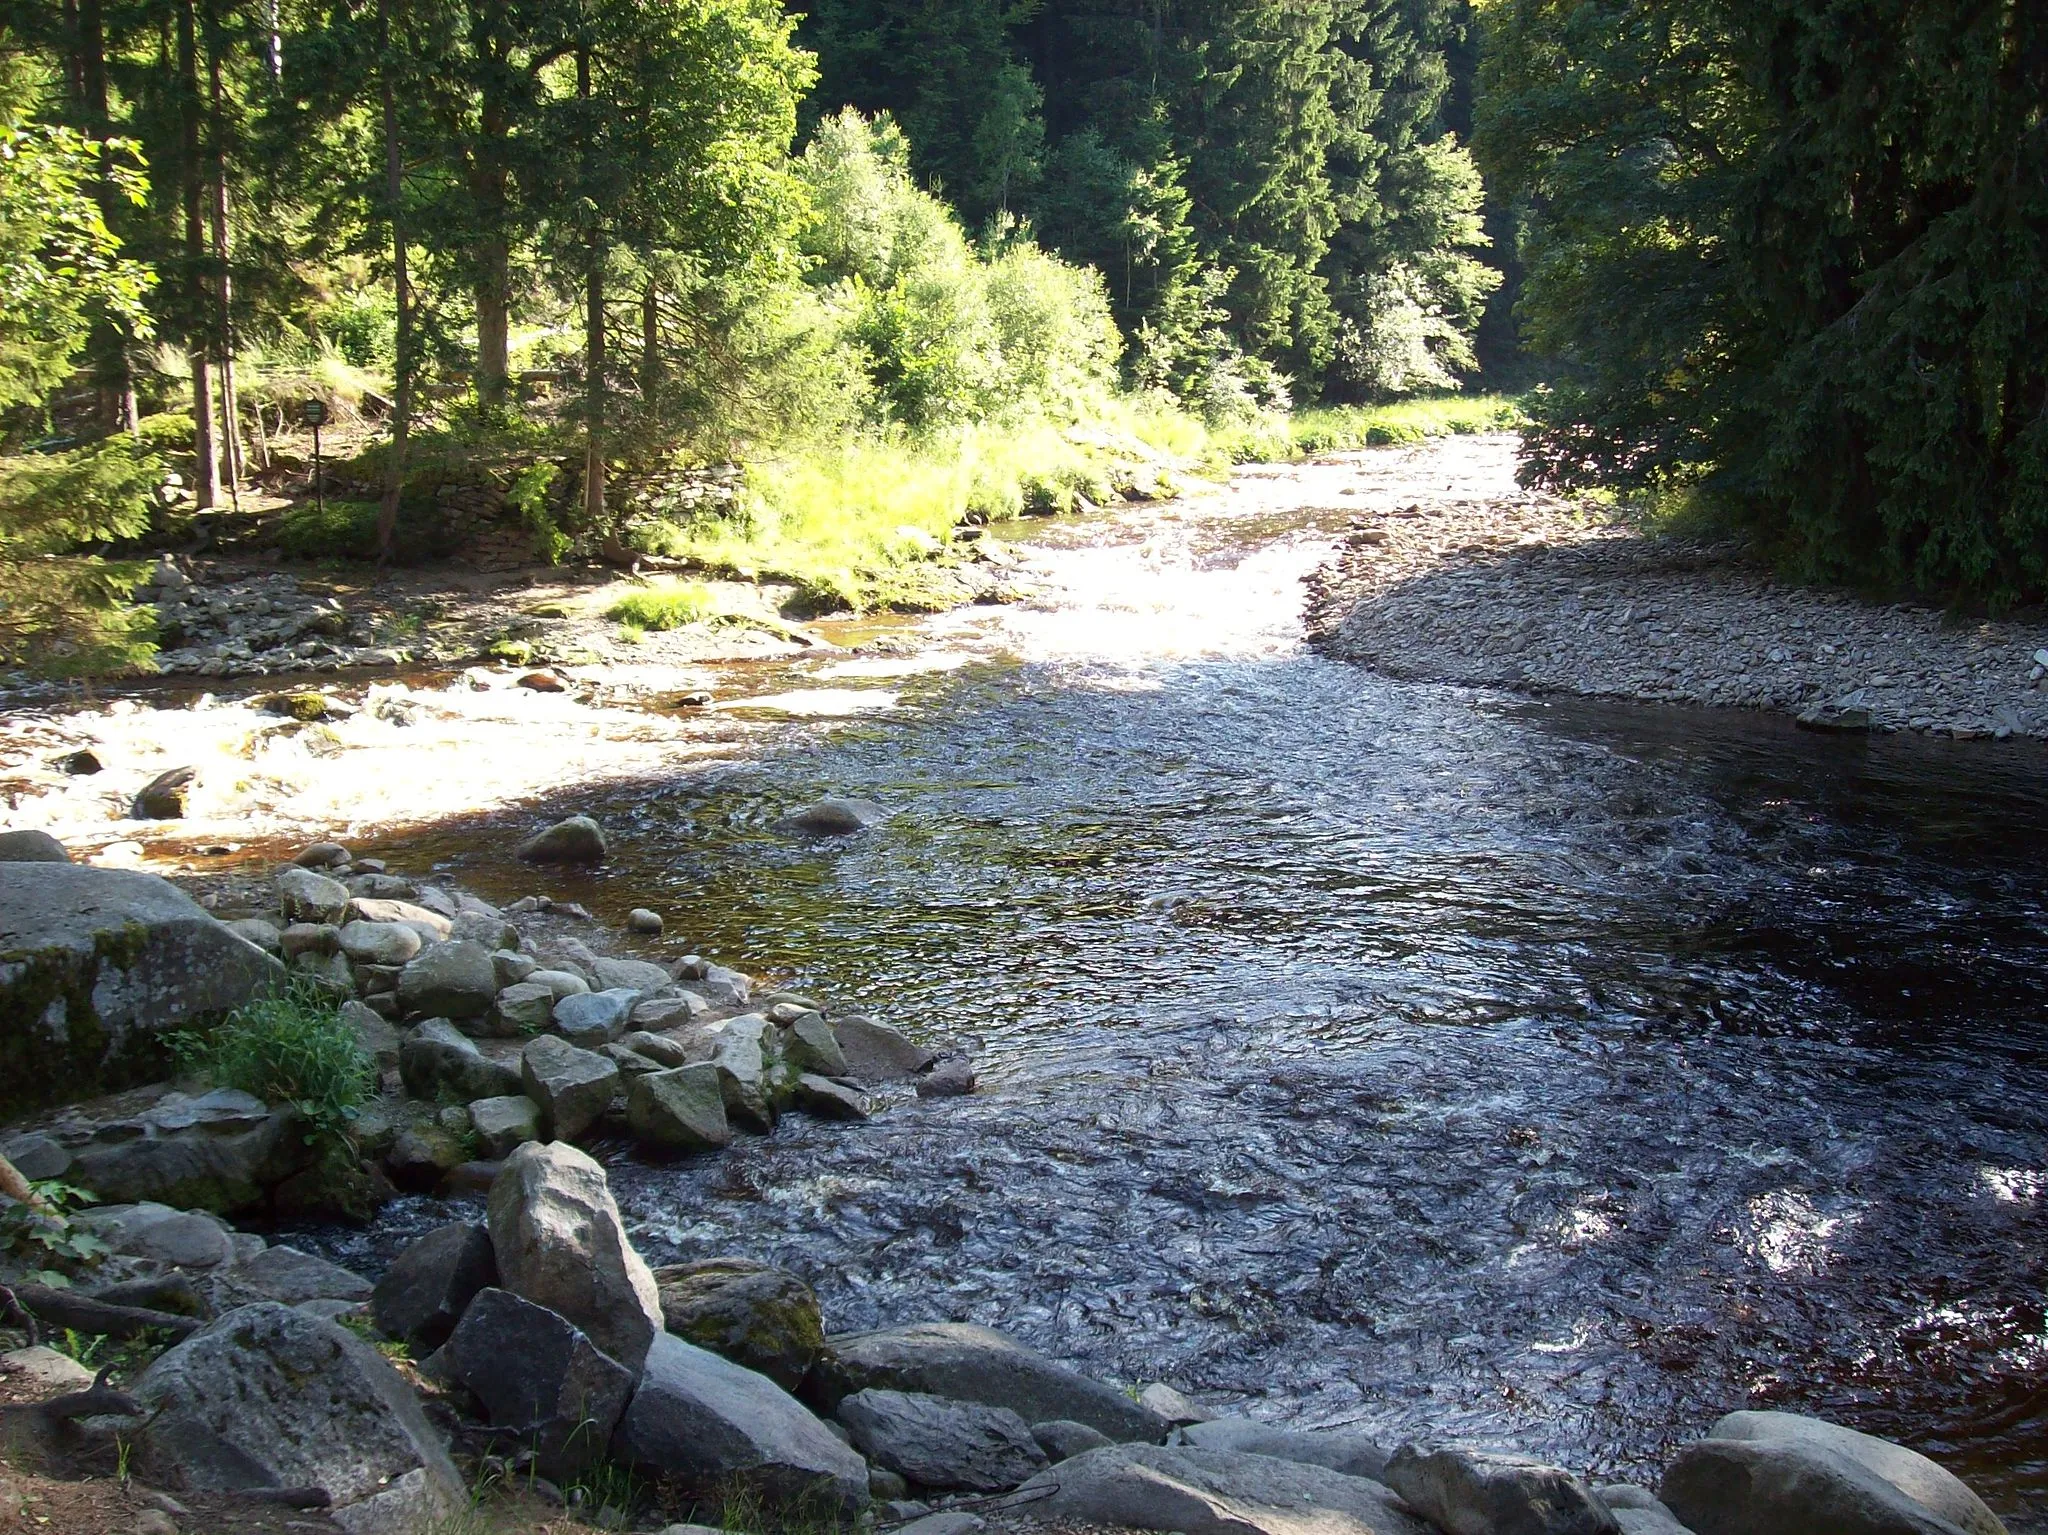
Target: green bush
column 293, row 1047
column 167, row 432
column 63, row 612
column 338, row 530
column 664, row 605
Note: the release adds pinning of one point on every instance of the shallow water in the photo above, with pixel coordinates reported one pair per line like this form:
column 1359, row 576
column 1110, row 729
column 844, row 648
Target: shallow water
column 1364, row 1052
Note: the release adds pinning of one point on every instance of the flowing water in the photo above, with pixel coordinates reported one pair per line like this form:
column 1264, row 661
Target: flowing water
column 1362, row 1052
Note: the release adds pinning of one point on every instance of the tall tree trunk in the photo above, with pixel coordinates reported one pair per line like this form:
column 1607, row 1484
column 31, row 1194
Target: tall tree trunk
column 650, row 340
column 206, row 493
column 401, row 392
column 490, row 189
column 593, row 351
column 223, row 291
column 107, row 348
column 493, row 319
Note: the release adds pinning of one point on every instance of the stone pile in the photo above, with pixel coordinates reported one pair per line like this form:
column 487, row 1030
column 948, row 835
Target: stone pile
column 252, row 626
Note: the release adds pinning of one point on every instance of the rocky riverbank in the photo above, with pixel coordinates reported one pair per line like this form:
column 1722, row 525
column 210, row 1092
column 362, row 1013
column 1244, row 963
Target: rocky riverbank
column 1493, row 586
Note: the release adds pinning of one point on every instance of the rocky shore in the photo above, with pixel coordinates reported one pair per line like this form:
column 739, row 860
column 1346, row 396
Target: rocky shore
column 1498, row 587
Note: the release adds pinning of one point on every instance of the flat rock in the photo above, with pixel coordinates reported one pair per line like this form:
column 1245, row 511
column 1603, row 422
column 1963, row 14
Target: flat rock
column 977, row 1364
column 433, row 926
column 573, row 1087
column 679, row 1108
column 1749, row 1487
column 540, row 1379
column 285, row 1274
column 1063, row 1438
column 576, row 840
column 594, row 1018
column 222, row 1150
column 1335, row 1448
column 1212, row 1492
column 933, row 1441
column 437, row 1060
column 45, row 1369
column 1175, row 1406
column 874, row 1052
column 1934, row 1488
column 268, row 1396
column 159, row 1234
column 761, row 1317
column 453, row 980
column 1478, row 1492
column 705, row 1422
column 428, row 1286
column 560, row 1244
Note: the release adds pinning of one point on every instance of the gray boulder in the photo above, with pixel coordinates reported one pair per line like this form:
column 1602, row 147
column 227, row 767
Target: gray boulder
column 437, row 1060
column 1173, row 1404
column 378, row 1037
column 810, row 1045
column 681, row 1108
column 634, row 975
column 1211, row 1492
column 751, row 1072
column 261, row 931
column 823, row 1098
column 875, row 1052
column 662, row 1049
column 304, row 896
column 432, row 926
column 1063, row 1438
column 30, row 846
column 286, row 1275
column 977, row 1364
column 524, row 1007
column 706, row 1422
column 428, row 1286
column 159, row 1234
column 1338, row 1449
column 1750, row 1487
column 423, row 1156
column 539, row 1379
column 93, row 964
column 270, row 1397
column 761, row 1317
column 1939, row 1491
column 591, row 1019
column 223, row 1150
column 932, row 1441
column 560, row 983
column 165, row 796
column 36, row 1156
column 560, row 1244
column 573, row 1087
column 1638, row 1511
column 835, row 817
column 576, row 840
column 380, row 943
column 1478, row 1492
column 951, row 1078
column 486, row 928
column 503, row 1124
column 512, row 966
column 449, row 980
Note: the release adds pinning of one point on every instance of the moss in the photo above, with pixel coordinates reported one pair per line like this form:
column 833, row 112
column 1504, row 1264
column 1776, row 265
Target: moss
column 305, row 707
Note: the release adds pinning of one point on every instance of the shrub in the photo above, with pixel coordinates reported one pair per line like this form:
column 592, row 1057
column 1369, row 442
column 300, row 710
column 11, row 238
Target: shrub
column 664, row 605
column 338, row 530
column 59, row 613
column 293, row 1047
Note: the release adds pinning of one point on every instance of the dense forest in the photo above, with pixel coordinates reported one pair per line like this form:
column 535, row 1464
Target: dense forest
column 1781, row 266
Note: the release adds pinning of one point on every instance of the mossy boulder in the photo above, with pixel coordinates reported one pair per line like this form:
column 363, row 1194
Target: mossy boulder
column 96, row 964
column 764, row 1318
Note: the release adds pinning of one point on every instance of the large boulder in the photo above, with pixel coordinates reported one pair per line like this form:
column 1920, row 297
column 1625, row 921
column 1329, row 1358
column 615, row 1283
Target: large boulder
column 272, row 1397
column 222, row 1150
column 594, row 1018
column 1338, row 1449
column 560, row 1244
column 1212, row 1492
column 1935, row 1489
column 932, row 1441
column 93, row 964
column 764, row 1318
column 576, row 840
column 428, row 1286
column 976, row 1364
column 31, row 846
column 449, row 980
column 293, row 1277
column 752, row 1075
column 573, row 1087
column 874, row 1052
column 539, row 1379
column 680, row 1109
column 439, row 1061
column 1478, row 1492
column 304, row 896
column 1752, row 1487
column 706, row 1422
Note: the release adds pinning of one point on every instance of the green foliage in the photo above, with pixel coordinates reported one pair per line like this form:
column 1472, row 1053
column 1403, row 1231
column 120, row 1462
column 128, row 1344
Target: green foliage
column 1344, row 428
column 1788, row 257
column 45, row 1239
column 528, row 496
column 664, row 605
column 334, row 530
column 62, row 613
column 294, row 1048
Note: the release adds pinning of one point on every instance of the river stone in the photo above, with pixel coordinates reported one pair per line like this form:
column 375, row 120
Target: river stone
column 539, row 1379
column 747, row 1054
column 93, row 964
column 1337, row 1449
column 524, row 1008
column 261, row 931
column 158, row 1234
column 331, row 972
column 46, row 1369
column 594, row 1018
column 450, row 980
column 223, row 1150
column 37, row 1157
column 304, row 896
column 877, row 1053
column 761, row 1317
column 951, row 1078
column 646, row 923
column 822, row 1098
column 30, row 846
column 976, row 1364
column 1638, row 1512
column 231, row 1410
column 321, row 855
column 1480, row 1492
column 834, row 817
column 285, row 1274
column 437, row 1060
column 512, row 966
column 932, row 1441
column 375, row 1034
column 1935, row 1489
column 673, row 1012
column 428, row 1286
column 576, row 840
column 379, row 943
column 1175, row 1406
column 724, row 988
column 1784, row 1487
column 1211, row 1492
column 707, row 1422
column 433, row 926
column 309, row 938
column 634, row 975
column 486, row 928
column 1063, row 1438
column 422, row 1156
column 682, row 1108
column 381, row 887
column 165, row 796
column 560, row 1244
column 662, row 1049
column 503, row 1124
column 573, row 1087
column 810, row 1045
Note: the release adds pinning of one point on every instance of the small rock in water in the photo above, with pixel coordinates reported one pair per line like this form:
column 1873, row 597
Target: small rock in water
column 641, row 920
column 80, row 764
column 576, row 840
column 321, row 855
column 165, row 796
column 1174, row 1406
column 951, row 1078
column 836, row 817
column 544, row 682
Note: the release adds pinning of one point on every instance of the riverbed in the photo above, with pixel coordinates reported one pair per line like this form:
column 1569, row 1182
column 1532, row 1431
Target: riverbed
column 1429, row 1059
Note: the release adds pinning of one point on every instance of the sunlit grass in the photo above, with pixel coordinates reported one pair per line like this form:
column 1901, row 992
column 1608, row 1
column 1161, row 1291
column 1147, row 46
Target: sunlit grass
column 663, row 605
column 1336, row 429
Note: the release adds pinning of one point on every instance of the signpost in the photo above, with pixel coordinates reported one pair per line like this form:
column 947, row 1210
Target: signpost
column 314, row 414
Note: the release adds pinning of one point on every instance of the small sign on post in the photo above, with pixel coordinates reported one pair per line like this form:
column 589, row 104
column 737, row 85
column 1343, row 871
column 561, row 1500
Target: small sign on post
column 314, row 413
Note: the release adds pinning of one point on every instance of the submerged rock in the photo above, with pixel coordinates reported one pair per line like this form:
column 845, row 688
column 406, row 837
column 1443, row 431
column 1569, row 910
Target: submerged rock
column 834, row 817
column 576, row 840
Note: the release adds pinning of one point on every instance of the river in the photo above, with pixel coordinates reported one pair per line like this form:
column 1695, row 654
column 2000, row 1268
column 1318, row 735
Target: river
column 1353, row 1051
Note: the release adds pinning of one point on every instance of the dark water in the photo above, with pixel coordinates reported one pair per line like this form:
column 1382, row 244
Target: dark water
column 1362, row 1052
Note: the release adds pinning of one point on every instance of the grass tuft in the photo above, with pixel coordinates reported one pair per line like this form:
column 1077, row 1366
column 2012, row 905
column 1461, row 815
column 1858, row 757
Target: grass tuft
column 293, row 1047
column 664, row 605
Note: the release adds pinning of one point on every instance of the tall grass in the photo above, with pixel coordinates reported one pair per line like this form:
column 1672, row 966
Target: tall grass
column 1343, row 428
column 293, row 1047
column 664, row 605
